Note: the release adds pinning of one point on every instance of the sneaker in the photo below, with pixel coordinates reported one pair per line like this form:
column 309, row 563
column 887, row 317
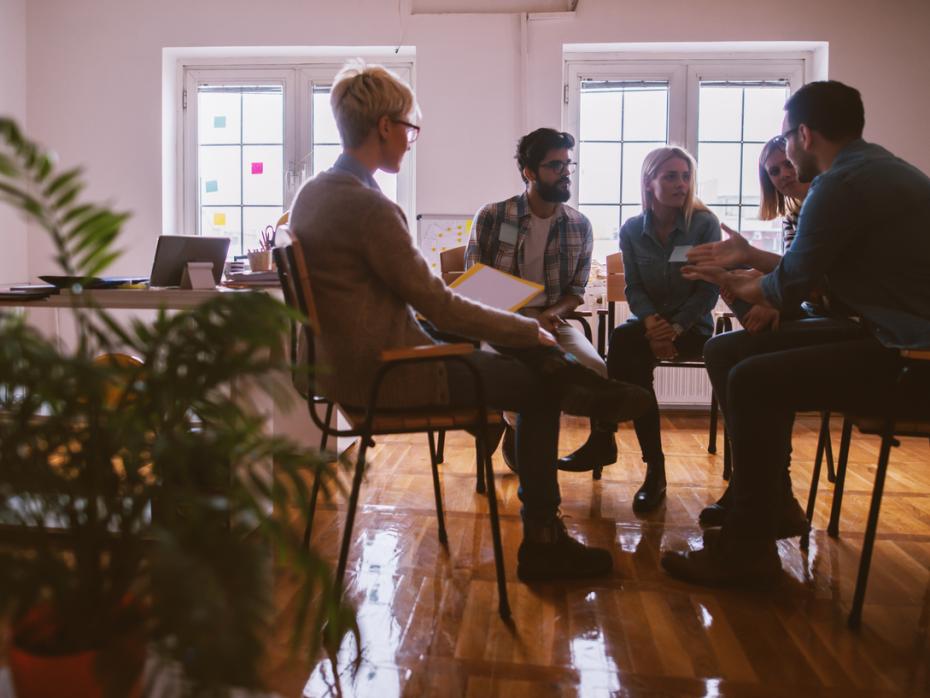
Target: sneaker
column 747, row 563
column 599, row 450
column 549, row 553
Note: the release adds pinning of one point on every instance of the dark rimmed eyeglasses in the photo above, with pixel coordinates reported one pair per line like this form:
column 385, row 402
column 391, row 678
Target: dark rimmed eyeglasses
column 560, row 166
column 789, row 132
column 413, row 131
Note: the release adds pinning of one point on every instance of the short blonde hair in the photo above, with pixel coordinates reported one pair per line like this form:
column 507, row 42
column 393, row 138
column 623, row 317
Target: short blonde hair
column 651, row 164
column 362, row 94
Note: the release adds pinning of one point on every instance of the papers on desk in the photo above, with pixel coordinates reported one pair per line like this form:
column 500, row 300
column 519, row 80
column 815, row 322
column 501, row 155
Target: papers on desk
column 253, row 279
column 496, row 288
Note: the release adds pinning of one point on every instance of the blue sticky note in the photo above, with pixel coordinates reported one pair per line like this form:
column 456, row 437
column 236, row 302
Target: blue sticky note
column 212, row 186
column 219, row 122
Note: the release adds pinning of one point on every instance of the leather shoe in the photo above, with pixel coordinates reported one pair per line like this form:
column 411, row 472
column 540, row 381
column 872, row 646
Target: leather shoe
column 599, row 450
column 744, row 564
column 548, row 553
column 792, row 520
column 652, row 492
column 607, row 400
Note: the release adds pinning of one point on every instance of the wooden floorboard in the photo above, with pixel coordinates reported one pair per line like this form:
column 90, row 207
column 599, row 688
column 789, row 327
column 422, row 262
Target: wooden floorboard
column 429, row 615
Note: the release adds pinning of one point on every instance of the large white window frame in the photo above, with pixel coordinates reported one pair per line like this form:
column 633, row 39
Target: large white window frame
column 297, row 77
column 684, row 73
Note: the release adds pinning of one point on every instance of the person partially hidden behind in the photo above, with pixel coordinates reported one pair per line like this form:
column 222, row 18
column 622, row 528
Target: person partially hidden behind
column 537, row 236
column 862, row 230
column 671, row 314
column 368, row 280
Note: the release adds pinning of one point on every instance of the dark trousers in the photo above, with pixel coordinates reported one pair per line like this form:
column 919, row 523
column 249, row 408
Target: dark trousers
column 518, row 384
column 630, row 359
column 764, row 391
column 723, row 352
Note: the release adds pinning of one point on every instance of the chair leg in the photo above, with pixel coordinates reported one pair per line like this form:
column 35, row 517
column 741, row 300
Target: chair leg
column 727, row 456
column 503, row 601
column 329, row 418
column 441, row 448
column 822, row 438
column 827, row 445
column 834, row 528
column 480, row 487
column 437, row 491
column 350, row 515
column 712, row 432
column 855, row 613
column 311, row 510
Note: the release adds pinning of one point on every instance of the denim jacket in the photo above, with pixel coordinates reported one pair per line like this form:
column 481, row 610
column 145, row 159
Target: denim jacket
column 655, row 285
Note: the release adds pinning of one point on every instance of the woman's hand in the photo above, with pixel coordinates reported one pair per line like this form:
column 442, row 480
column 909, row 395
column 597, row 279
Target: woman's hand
column 729, row 253
column 659, row 329
column 760, row 318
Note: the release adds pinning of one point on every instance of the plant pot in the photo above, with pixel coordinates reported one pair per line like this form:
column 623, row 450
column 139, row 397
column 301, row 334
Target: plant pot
column 37, row 676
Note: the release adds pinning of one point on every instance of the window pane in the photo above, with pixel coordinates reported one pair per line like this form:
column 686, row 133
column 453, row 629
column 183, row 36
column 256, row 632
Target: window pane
column 324, row 123
column 254, row 220
column 600, row 115
column 388, row 184
column 599, row 173
column 222, row 221
column 218, row 169
column 605, row 220
column 764, row 112
column 719, row 113
column 263, row 117
column 718, row 173
column 727, row 214
column 628, row 212
column 751, row 152
column 645, row 114
column 219, row 116
column 765, row 235
column 262, row 175
column 633, row 156
column 324, row 156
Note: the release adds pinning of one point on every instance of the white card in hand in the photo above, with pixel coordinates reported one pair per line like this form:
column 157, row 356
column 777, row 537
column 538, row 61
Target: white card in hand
column 680, row 253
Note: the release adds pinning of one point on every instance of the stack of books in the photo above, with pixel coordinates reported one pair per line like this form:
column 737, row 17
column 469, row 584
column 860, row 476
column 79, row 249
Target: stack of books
column 253, row 279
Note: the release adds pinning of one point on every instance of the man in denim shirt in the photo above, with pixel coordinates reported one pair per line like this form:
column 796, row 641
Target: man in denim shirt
column 863, row 227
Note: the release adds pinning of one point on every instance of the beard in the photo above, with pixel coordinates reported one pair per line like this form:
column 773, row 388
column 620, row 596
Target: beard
column 554, row 193
column 806, row 167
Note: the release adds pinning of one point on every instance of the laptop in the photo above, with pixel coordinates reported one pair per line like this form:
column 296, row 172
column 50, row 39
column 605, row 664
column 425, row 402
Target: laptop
column 174, row 252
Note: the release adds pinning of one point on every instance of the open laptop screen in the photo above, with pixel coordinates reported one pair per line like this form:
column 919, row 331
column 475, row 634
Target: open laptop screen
column 175, row 251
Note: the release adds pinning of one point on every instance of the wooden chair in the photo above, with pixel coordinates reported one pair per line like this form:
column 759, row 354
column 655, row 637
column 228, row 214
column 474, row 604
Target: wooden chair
column 616, row 293
column 374, row 419
column 887, row 423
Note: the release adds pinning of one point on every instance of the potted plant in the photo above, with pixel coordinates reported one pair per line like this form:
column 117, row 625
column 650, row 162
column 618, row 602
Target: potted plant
column 138, row 514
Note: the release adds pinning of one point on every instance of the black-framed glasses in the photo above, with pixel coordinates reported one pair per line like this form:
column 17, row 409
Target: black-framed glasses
column 413, row 131
column 560, row 166
column 789, row 132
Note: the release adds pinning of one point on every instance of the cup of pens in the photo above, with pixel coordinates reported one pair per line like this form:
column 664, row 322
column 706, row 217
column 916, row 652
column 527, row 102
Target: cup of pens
column 260, row 259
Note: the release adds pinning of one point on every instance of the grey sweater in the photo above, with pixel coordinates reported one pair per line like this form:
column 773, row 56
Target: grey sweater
column 368, row 278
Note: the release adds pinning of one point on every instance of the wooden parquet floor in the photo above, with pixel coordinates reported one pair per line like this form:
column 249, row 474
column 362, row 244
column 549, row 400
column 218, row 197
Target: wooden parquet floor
column 429, row 616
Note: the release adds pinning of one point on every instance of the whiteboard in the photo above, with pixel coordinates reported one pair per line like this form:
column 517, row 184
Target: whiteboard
column 440, row 232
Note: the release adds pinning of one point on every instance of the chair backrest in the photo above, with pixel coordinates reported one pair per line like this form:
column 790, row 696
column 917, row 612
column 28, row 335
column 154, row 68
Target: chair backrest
column 295, row 285
column 114, row 391
column 452, row 263
column 616, row 280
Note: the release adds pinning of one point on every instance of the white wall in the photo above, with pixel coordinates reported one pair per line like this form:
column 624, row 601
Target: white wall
column 94, row 77
column 12, row 104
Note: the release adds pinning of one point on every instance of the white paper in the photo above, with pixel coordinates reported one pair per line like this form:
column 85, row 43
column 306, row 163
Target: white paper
column 680, row 253
column 496, row 288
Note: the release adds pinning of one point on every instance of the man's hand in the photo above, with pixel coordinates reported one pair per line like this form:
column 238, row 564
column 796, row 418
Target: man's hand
column 545, row 338
column 732, row 283
column 760, row 318
column 729, row 253
column 659, row 329
column 549, row 320
column 664, row 350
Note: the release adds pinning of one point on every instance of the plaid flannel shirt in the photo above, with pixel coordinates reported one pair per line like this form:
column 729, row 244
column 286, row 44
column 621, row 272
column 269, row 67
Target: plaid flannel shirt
column 567, row 261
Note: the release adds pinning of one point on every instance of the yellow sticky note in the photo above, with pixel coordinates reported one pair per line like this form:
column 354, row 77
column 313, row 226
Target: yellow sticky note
column 219, row 219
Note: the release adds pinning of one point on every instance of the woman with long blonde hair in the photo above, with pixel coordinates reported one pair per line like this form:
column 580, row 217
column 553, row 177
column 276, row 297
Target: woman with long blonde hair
column 671, row 315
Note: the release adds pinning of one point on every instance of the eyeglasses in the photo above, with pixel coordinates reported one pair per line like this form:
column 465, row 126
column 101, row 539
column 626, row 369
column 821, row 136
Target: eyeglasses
column 413, row 131
column 789, row 132
column 560, row 166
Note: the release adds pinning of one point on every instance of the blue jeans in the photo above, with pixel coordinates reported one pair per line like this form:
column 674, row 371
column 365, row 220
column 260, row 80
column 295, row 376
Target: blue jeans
column 511, row 383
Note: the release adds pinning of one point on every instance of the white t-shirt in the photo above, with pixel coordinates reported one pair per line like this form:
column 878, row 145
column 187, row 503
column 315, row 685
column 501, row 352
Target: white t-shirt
column 534, row 256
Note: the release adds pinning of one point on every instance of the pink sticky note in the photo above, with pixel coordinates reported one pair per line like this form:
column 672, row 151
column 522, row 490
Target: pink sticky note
column 257, row 167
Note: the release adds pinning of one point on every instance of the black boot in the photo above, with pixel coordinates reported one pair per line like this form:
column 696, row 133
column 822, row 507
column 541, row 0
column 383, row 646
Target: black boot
column 509, row 448
column 651, row 494
column 599, row 450
column 548, row 552
column 716, row 513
